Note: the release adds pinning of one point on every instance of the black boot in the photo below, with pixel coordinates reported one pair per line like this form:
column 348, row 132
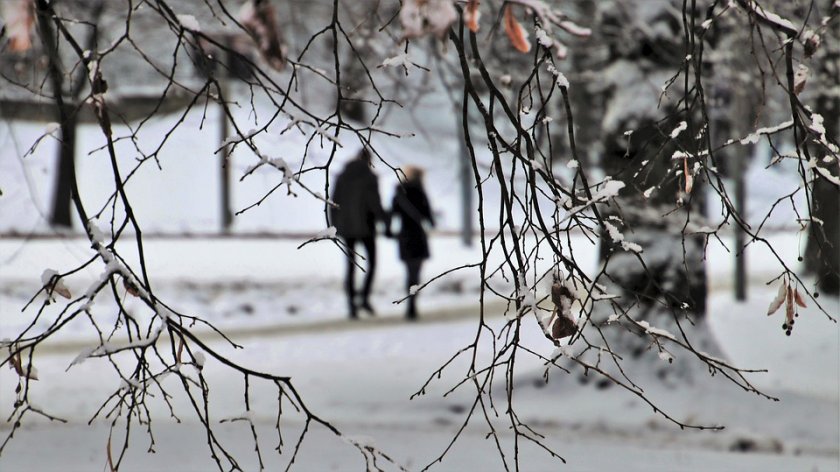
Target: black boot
column 411, row 314
column 366, row 306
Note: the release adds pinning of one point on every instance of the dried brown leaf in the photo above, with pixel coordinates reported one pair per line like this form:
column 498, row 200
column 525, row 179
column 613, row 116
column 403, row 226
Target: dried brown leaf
column 800, row 78
column 471, row 15
column 812, row 43
column 130, row 287
column 180, row 348
column 21, row 18
column 789, row 310
column 689, row 179
column 110, row 457
column 14, row 364
column 515, row 32
column 561, row 324
column 798, row 298
column 260, row 20
column 28, row 372
column 62, row 290
column 780, row 298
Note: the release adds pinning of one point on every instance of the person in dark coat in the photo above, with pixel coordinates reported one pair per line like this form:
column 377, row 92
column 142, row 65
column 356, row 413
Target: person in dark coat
column 356, row 194
column 411, row 206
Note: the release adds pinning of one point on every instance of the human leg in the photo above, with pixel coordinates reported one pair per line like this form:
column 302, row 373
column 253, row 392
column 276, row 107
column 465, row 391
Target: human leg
column 370, row 251
column 350, row 276
column 413, row 267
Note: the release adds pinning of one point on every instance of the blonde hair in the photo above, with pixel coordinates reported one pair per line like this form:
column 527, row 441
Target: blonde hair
column 411, row 173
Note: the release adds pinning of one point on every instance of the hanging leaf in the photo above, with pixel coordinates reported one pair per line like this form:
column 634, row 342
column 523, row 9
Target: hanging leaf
column 798, row 298
column 812, row 43
column 562, row 323
column 780, row 298
column 471, row 15
column 689, row 179
column 800, row 78
column 440, row 14
column 130, row 287
column 29, row 372
column 53, row 283
column 260, row 20
column 789, row 309
column 109, row 456
column 180, row 349
column 420, row 17
column 21, row 17
column 515, row 32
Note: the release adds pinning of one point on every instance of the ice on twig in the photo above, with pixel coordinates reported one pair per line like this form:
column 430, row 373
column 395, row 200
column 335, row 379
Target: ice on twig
column 51, row 128
column 560, row 79
column 752, row 138
column 543, row 38
column 665, row 356
column 328, row 233
column 562, row 350
column 199, row 359
column 82, row 356
column 655, row 331
column 400, row 60
column 679, row 129
column 618, row 238
column 321, row 130
column 190, row 23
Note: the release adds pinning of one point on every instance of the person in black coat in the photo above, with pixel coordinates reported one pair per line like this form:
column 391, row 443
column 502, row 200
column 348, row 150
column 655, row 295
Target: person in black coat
column 411, row 206
column 356, row 194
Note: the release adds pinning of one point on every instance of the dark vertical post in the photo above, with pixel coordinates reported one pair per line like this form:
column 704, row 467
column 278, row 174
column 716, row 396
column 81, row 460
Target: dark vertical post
column 741, row 208
column 466, row 176
column 224, row 168
column 62, row 198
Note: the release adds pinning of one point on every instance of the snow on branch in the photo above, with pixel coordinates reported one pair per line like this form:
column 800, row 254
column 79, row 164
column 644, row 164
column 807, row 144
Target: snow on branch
column 752, row 138
column 190, row 23
column 769, row 18
column 609, row 190
column 618, row 238
column 548, row 16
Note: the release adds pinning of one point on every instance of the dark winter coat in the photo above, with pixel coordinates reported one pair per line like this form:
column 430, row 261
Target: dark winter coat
column 411, row 206
column 359, row 206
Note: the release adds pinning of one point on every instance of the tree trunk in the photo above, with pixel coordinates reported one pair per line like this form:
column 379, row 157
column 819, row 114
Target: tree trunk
column 822, row 254
column 673, row 271
column 62, row 202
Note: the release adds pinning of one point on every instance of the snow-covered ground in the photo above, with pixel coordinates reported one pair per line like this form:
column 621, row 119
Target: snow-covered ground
column 285, row 306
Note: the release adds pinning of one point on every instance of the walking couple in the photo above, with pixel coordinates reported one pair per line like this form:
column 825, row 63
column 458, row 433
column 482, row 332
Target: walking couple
column 358, row 209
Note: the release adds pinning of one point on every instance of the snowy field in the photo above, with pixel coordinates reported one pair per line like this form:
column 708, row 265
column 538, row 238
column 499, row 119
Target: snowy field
column 360, row 375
